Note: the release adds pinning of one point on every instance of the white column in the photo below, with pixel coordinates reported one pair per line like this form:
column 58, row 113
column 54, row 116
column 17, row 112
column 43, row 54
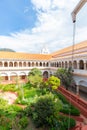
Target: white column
column 77, row 90
column 67, row 64
column 77, row 65
column 13, row 63
column 84, row 65
column 9, row 78
column 2, row 63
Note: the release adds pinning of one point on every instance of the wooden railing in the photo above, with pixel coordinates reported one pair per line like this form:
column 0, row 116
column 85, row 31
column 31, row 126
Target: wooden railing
column 75, row 100
column 77, row 127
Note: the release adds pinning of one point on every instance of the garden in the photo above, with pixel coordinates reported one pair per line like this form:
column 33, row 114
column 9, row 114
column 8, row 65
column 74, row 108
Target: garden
column 37, row 105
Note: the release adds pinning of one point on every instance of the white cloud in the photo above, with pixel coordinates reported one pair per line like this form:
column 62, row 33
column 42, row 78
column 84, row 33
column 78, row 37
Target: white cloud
column 53, row 28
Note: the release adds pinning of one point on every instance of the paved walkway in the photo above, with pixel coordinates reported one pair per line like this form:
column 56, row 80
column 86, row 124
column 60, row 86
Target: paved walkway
column 9, row 96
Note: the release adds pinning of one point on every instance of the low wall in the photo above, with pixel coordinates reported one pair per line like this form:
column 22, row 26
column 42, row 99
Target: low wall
column 75, row 100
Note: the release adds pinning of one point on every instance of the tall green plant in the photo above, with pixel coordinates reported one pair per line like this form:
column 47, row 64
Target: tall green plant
column 45, row 111
column 66, row 77
column 35, row 71
column 35, row 77
column 53, row 82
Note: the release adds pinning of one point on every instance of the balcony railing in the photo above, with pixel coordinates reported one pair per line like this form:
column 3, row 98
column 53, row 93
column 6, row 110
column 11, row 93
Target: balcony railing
column 81, row 72
column 20, row 68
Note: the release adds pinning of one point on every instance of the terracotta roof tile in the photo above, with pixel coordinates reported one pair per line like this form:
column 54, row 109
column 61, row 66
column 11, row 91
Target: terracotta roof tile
column 69, row 49
column 25, row 56
column 61, row 53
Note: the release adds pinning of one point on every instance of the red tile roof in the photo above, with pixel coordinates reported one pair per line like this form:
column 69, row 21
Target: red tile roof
column 79, row 46
column 25, row 56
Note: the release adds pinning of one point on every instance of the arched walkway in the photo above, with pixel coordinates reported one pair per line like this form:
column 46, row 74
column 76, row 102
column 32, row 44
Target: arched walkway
column 83, row 89
column 3, row 77
column 13, row 76
column 22, row 76
column 81, row 64
column 45, row 74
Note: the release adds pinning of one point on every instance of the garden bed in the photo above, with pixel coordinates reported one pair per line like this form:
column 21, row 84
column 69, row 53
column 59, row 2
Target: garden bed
column 22, row 97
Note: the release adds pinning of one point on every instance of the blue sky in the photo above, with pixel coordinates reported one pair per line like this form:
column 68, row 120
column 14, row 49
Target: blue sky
column 28, row 25
column 16, row 15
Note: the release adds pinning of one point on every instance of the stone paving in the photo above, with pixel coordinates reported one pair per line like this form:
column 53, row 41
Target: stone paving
column 9, row 96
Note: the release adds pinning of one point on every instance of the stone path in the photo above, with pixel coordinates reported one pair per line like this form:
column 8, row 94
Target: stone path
column 9, row 96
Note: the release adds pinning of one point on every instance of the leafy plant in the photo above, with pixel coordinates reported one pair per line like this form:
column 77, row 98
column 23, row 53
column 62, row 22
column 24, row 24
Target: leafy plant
column 67, row 107
column 35, row 71
column 66, row 77
column 24, row 122
column 53, row 82
column 66, row 123
column 45, row 111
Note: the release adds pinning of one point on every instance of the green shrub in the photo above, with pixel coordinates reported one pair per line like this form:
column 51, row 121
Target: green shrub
column 67, row 107
column 27, row 85
column 62, row 98
column 28, row 111
column 5, row 123
column 70, row 109
column 45, row 111
column 12, row 111
column 66, row 122
column 23, row 122
column 22, row 101
column 10, row 87
column 3, row 103
column 30, row 93
column 14, row 108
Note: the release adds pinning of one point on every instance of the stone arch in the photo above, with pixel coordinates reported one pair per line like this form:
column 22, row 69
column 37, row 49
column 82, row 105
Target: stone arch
column 59, row 64
column 55, row 64
column 82, row 82
column 62, row 64
column 24, row 64
column 4, row 76
column 86, row 65
column 45, row 74
column 70, row 64
column 20, row 64
column 81, row 64
column 33, row 64
column 43, row 64
column 10, row 64
column 5, row 64
column 37, row 64
column 51, row 64
column 29, row 64
column 47, row 64
column 22, row 75
column 13, row 76
column 15, row 64
column 1, row 64
column 75, row 64
column 40, row 63
column 66, row 64
column 83, row 86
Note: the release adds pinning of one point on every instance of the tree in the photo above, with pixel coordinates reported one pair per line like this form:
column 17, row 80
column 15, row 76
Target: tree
column 46, row 110
column 53, row 82
column 66, row 77
column 35, row 77
column 35, row 80
column 35, row 71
